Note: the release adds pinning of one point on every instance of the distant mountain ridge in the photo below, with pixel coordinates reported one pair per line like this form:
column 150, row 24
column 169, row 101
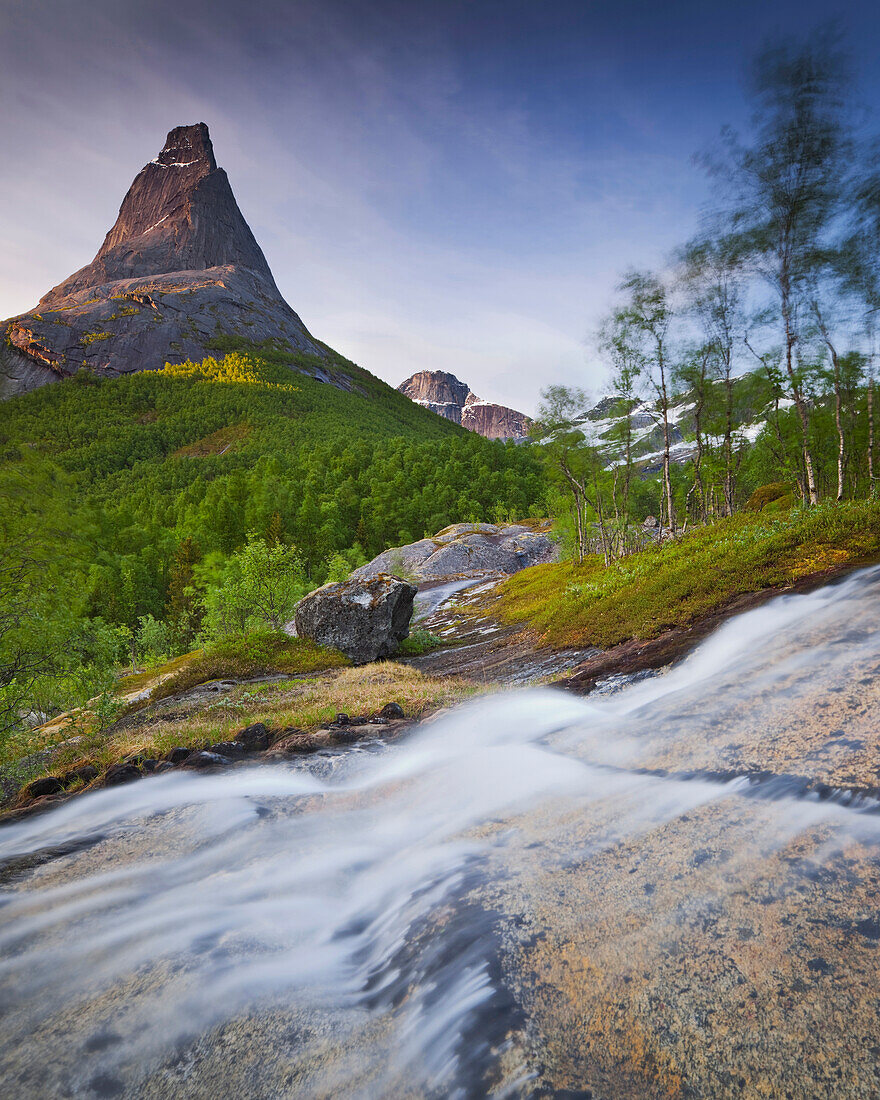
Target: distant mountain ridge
column 179, row 269
column 603, row 425
column 447, row 396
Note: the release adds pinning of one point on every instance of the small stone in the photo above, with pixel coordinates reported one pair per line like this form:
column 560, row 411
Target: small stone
column 231, row 749
column 255, row 738
column 40, row 787
column 391, row 710
column 349, row 735
column 118, row 774
column 86, row 772
column 206, row 759
column 342, row 719
column 163, row 766
column 178, row 755
column 296, row 745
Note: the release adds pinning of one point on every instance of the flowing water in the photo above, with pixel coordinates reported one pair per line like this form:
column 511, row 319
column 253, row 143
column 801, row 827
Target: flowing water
column 668, row 889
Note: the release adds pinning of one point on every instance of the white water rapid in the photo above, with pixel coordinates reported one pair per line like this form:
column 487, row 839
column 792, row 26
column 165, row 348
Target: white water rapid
column 349, row 922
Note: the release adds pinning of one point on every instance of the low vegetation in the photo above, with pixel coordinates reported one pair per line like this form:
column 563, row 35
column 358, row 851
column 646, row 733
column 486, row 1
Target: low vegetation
column 675, row 582
column 83, row 734
column 101, row 735
column 255, row 655
column 300, row 703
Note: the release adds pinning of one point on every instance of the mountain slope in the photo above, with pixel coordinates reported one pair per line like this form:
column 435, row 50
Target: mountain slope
column 179, row 267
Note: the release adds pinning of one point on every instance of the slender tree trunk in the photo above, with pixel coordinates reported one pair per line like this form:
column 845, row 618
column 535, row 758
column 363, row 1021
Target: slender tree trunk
column 603, row 533
column 698, row 429
column 871, row 437
column 835, row 363
column 667, row 480
column 728, row 443
column 576, row 493
column 698, row 475
column 627, row 476
column 811, row 495
column 841, row 450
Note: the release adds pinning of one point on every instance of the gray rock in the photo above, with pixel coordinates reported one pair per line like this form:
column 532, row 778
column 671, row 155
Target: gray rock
column 365, row 618
column 399, row 560
column 459, row 530
column 46, row 785
column 465, row 548
column 117, row 774
column 255, row 738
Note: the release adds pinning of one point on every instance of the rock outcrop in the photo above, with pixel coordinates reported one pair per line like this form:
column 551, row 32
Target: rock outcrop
column 438, row 391
column 364, row 618
column 179, row 272
column 493, row 421
column 465, row 549
column 445, row 395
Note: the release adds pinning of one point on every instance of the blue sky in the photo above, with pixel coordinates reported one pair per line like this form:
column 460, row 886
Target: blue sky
column 452, row 186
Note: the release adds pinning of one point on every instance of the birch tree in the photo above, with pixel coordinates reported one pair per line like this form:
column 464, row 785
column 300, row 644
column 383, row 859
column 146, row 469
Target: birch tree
column 786, row 192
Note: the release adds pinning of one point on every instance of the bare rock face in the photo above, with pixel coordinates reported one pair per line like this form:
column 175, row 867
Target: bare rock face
column 438, row 391
column 365, row 618
column 179, row 269
column 493, row 421
column 445, row 395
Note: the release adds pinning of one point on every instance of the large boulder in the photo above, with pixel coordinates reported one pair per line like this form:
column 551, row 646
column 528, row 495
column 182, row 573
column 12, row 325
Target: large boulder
column 465, row 549
column 366, row 618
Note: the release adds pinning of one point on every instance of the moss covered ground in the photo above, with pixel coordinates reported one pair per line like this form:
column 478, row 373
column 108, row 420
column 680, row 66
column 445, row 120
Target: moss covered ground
column 675, row 583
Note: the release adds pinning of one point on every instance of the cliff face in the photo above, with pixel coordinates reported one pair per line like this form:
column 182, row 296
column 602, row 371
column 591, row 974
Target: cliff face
column 494, row 421
column 444, row 394
column 438, row 391
column 179, row 268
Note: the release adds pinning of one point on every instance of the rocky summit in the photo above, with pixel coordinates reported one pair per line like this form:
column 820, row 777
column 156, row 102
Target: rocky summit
column 447, row 396
column 179, row 273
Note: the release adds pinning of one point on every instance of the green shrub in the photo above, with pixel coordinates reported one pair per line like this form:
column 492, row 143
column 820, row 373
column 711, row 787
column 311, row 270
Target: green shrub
column 247, row 656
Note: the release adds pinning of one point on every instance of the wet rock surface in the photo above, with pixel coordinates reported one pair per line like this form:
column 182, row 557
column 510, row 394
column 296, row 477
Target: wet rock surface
column 364, row 618
column 481, row 648
column 545, row 898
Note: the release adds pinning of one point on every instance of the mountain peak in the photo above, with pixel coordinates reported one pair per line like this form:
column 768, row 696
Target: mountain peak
column 179, row 215
column 451, row 398
column 188, row 145
column 179, row 268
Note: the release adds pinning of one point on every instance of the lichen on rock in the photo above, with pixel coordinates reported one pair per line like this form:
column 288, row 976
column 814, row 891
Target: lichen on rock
column 364, row 618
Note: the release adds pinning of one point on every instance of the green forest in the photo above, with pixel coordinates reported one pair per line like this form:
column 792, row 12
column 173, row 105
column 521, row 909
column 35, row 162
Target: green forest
column 138, row 513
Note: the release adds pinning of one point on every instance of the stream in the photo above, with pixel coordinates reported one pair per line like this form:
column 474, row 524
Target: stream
column 667, row 890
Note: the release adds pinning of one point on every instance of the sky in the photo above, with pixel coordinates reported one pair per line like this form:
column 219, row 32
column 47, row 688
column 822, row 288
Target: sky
column 453, row 185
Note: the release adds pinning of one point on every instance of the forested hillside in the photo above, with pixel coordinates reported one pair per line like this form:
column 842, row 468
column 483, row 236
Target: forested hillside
column 135, row 510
